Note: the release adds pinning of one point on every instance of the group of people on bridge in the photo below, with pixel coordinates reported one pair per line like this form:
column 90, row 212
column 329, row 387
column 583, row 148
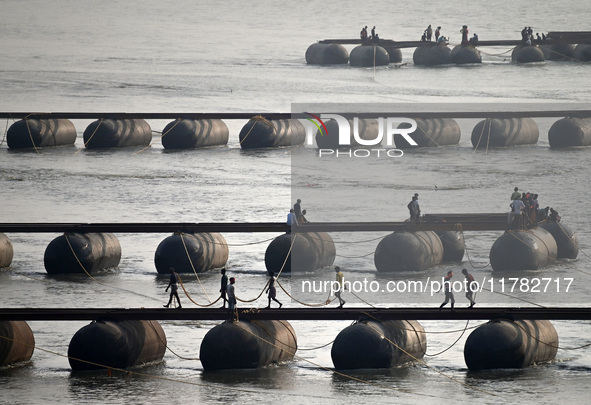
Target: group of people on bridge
column 296, row 215
column 449, row 295
column 527, row 36
column 526, row 211
column 428, row 34
column 440, row 39
column 367, row 39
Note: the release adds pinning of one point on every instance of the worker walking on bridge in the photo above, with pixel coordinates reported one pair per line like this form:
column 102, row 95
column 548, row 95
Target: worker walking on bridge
column 337, row 293
column 469, row 292
column 272, row 291
column 449, row 295
column 173, row 285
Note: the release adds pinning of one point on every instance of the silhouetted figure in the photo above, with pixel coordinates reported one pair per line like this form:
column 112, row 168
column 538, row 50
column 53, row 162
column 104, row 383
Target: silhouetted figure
column 304, row 220
column 469, row 292
column 231, row 292
column 412, row 210
column 297, row 209
column 272, row 291
column 363, row 34
column 224, row 286
column 464, row 32
column 173, row 285
column 437, row 33
column 429, row 32
column 449, row 295
column 339, row 279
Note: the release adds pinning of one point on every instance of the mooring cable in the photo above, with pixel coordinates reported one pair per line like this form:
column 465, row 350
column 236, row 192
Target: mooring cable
column 328, row 369
column 161, row 136
column 156, row 377
column 430, row 367
column 92, row 135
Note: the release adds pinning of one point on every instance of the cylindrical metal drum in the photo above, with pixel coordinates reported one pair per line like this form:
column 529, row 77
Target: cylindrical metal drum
column 453, row 245
column 529, row 249
column 82, row 253
column 326, row 54
column 431, row 132
column 188, row 252
column 503, row 132
column 570, row 132
column 465, row 54
column 109, row 133
column 408, row 251
column 367, row 129
column 118, row 344
column 527, row 54
column 394, row 53
column 17, row 342
column 432, row 54
column 368, row 56
column 187, row 134
column 583, row 52
column 310, row 251
column 558, row 52
column 375, row 344
column 6, row 251
column 247, row 344
column 510, row 344
column 566, row 240
column 37, row 133
column 262, row 133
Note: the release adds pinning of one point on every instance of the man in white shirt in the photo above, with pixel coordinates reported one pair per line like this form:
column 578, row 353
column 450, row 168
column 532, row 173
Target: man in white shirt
column 518, row 207
column 291, row 220
column 230, row 293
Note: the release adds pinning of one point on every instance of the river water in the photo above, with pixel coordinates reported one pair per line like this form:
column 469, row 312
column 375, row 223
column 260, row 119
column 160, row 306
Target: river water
column 236, row 56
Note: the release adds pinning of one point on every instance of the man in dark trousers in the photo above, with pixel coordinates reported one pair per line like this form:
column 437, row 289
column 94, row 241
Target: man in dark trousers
column 412, row 210
column 272, row 291
column 173, row 285
column 297, row 210
column 223, row 286
column 449, row 295
column 464, row 32
column 469, row 292
column 231, row 299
